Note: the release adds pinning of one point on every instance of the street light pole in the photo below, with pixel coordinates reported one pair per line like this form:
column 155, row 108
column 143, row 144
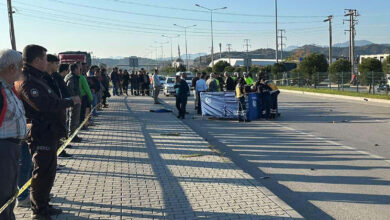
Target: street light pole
column 185, row 38
column 212, row 35
column 276, row 31
column 170, row 39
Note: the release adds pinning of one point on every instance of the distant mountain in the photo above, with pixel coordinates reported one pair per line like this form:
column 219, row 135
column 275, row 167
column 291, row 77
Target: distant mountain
column 358, row 43
column 193, row 56
column 290, row 48
column 299, row 52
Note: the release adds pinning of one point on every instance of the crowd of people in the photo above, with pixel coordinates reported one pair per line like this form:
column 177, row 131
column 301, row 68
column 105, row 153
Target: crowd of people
column 42, row 104
column 242, row 85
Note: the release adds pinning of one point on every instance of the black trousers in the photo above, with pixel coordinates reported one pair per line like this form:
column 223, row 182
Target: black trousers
column 9, row 166
column 241, row 108
column 84, row 105
column 125, row 87
column 265, row 105
column 199, row 104
column 182, row 106
column 44, row 159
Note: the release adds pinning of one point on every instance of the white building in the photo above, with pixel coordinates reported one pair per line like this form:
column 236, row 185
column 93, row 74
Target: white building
column 380, row 57
column 240, row 62
column 177, row 63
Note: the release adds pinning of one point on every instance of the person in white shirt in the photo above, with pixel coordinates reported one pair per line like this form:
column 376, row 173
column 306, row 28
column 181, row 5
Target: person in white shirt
column 156, row 86
column 199, row 88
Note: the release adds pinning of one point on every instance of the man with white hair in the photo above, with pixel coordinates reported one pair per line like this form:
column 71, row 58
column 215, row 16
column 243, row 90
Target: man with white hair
column 12, row 127
column 212, row 83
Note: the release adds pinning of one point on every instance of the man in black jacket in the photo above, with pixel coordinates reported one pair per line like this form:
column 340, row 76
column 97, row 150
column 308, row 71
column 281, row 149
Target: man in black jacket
column 184, row 89
column 42, row 111
column 229, row 83
column 72, row 83
column 57, row 83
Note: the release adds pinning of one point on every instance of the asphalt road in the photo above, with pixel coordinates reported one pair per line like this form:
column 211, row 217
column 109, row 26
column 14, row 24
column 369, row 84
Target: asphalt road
column 327, row 158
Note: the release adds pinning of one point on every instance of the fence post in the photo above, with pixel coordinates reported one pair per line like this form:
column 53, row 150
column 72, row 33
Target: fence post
column 330, row 83
column 342, row 81
column 373, row 82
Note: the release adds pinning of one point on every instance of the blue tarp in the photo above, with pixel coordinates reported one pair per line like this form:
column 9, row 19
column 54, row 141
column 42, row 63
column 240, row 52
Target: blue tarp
column 224, row 105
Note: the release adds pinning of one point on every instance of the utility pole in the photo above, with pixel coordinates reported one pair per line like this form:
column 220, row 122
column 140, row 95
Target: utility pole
column 352, row 13
column 229, row 47
column 329, row 19
column 220, row 51
column 11, row 24
column 281, row 43
column 276, row 31
column 247, row 45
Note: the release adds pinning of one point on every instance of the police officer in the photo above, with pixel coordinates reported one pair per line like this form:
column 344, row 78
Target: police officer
column 42, row 108
column 240, row 96
column 264, row 91
column 274, row 98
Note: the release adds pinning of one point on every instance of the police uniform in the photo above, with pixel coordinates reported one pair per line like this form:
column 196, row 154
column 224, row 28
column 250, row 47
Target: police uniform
column 274, row 99
column 43, row 107
column 265, row 99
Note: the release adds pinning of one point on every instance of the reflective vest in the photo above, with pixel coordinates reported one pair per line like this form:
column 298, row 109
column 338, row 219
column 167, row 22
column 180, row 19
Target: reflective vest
column 249, row 81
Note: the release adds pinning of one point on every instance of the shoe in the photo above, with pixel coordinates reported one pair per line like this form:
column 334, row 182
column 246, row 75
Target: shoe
column 64, row 154
column 84, row 128
column 38, row 216
column 25, row 203
column 157, row 103
column 54, row 211
column 69, row 146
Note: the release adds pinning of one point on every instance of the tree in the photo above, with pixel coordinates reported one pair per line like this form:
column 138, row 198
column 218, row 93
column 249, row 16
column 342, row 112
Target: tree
column 240, row 69
column 181, row 68
column 386, row 65
column 220, row 66
column 371, row 72
column 254, row 70
column 339, row 71
column 229, row 69
column 168, row 69
column 311, row 66
column 277, row 69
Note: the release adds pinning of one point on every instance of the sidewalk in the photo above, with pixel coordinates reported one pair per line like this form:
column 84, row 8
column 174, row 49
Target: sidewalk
column 135, row 164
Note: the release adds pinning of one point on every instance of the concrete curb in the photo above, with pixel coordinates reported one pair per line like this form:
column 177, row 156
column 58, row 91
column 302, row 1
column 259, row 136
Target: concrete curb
column 357, row 99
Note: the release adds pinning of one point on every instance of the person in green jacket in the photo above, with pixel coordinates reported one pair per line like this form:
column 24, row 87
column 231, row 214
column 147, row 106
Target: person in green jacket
column 248, row 79
column 86, row 98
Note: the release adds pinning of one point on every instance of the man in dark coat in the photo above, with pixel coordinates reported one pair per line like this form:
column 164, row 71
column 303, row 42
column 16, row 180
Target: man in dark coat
column 42, row 112
column 183, row 90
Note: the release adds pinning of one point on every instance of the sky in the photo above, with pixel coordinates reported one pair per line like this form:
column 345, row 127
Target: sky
column 122, row 28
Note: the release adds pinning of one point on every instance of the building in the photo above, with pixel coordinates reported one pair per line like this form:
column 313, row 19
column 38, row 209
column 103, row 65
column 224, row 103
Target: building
column 176, row 63
column 380, row 57
column 240, row 62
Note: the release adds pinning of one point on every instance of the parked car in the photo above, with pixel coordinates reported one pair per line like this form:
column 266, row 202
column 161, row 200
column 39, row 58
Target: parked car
column 168, row 86
column 189, row 78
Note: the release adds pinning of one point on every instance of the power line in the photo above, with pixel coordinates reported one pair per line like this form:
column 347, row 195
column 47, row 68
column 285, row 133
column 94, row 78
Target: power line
column 221, row 13
column 167, row 17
